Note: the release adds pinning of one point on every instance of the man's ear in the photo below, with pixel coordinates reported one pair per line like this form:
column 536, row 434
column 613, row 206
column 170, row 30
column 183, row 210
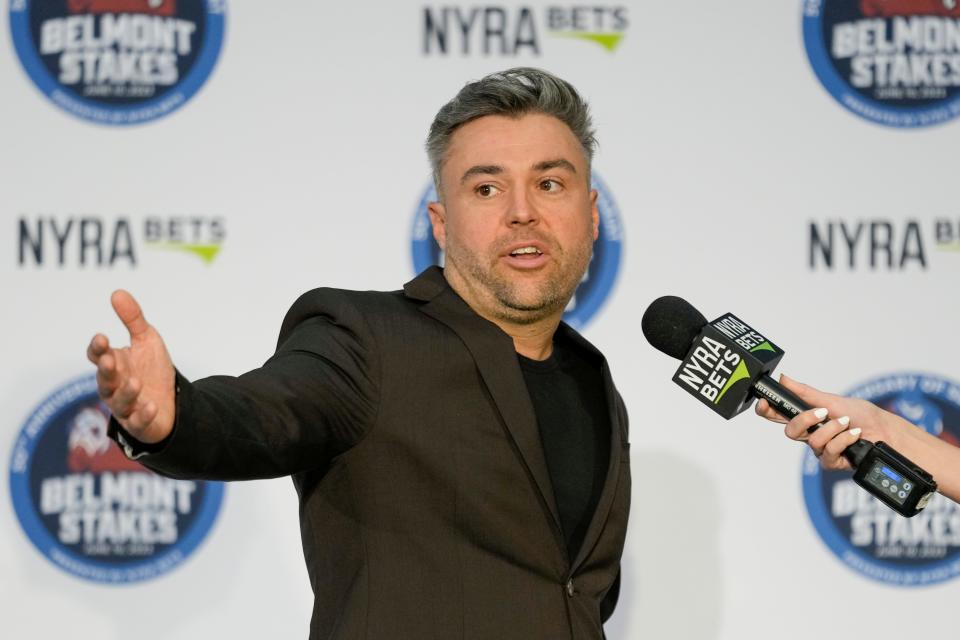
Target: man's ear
column 438, row 219
column 595, row 213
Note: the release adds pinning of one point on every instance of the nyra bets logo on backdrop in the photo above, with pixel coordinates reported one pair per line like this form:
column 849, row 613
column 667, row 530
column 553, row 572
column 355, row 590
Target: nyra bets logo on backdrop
column 893, row 62
column 865, row 534
column 55, row 241
column 466, row 30
column 883, row 244
column 90, row 510
column 118, row 61
column 597, row 281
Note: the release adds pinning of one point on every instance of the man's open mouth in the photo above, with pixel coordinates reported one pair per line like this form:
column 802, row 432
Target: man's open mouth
column 524, row 251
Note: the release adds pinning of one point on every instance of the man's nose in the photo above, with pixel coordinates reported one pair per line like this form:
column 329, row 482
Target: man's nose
column 523, row 209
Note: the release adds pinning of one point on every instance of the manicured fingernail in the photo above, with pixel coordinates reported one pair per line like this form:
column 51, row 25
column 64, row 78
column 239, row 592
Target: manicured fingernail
column 855, row 432
column 821, row 413
column 845, row 420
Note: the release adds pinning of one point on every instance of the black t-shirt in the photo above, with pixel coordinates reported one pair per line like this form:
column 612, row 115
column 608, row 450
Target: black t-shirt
column 570, row 404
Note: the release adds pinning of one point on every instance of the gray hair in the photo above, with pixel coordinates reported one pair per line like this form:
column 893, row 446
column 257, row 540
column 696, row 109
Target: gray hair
column 514, row 92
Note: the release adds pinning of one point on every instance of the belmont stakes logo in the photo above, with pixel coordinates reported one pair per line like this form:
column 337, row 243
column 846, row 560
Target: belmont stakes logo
column 118, row 62
column 893, row 62
column 91, row 511
column 865, row 534
column 597, row 281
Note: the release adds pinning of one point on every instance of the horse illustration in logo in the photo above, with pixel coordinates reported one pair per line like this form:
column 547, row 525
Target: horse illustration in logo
column 151, row 7
column 89, row 448
column 891, row 8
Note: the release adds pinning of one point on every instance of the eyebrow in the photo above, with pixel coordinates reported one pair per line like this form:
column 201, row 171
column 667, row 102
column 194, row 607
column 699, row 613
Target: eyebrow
column 494, row 169
column 559, row 163
column 481, row 169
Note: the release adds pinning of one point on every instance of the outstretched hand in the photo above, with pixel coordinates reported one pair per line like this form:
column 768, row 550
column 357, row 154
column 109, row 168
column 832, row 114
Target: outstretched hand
column 136, row 382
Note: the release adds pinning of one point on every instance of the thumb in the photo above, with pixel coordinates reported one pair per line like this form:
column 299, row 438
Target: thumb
column 129, row 313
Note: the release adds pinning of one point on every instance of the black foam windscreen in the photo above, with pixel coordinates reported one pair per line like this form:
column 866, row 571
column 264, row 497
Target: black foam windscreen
column 670, row 324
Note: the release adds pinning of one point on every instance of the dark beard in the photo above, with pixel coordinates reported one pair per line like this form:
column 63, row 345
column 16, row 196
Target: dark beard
column 553, row 296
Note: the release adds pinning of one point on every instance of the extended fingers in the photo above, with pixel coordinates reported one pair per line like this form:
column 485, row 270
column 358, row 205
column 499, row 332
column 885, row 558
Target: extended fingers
column 122, row 394
column 129, row 312
column 123, row 402
column 98, row 346
column 117, row 388
column 100, row 354
column 107, row 378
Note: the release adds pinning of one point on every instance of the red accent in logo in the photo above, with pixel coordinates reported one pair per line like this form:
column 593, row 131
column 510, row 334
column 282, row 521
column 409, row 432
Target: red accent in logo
column 89, row 448
column 151, row 7
column 949, row 437
column 891, row 8
column 111, row 460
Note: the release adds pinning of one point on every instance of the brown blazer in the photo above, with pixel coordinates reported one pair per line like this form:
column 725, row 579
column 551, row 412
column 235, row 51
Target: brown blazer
column 426, row 510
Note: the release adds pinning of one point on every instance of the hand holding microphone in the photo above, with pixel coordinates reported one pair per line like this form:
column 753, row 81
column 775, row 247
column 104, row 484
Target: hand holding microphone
column 829, row 441
column 726, row 364
column 937, row 456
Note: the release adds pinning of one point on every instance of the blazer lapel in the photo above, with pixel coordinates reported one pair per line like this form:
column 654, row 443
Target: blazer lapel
column 616, row 450
column 496, row 360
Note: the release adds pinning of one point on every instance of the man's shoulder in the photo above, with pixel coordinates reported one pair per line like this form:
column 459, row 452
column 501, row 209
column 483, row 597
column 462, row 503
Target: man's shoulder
column 328, row 314
column 346, row 306
column 350, row 307
column 330, row 297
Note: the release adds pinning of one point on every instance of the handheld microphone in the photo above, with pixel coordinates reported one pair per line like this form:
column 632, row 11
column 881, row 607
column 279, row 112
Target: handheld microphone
column 726, row 364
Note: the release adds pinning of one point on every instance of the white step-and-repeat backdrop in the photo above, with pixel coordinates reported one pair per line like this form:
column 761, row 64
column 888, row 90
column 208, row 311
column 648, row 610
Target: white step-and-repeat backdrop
column 792, row 162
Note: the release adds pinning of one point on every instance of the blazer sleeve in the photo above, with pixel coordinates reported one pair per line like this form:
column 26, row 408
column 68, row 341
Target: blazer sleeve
column 314, row 399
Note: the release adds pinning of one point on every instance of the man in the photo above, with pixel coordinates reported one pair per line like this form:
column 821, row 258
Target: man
column 460, row 455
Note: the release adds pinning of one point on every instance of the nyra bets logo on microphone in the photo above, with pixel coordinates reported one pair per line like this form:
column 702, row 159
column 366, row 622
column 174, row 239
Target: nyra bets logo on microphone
column 893, row 62
column 597, row 281
column 865, row 534
column 91, row 511
column 118, row 61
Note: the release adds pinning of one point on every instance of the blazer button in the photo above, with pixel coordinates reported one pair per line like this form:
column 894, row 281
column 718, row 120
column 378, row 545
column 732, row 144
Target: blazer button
column 570, row 589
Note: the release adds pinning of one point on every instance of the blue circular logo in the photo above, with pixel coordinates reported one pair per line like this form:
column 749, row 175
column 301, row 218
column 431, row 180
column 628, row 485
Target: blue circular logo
column 118, row 62
column 865, row 534
column 892, row 62
column 597, row 281
column 91, row 511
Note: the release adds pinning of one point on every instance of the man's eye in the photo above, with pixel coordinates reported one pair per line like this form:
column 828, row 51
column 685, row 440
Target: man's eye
column 486, row 190
column 549, row 185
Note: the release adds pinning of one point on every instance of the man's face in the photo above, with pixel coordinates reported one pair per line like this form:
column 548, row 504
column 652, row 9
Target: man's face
column 517, row 219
